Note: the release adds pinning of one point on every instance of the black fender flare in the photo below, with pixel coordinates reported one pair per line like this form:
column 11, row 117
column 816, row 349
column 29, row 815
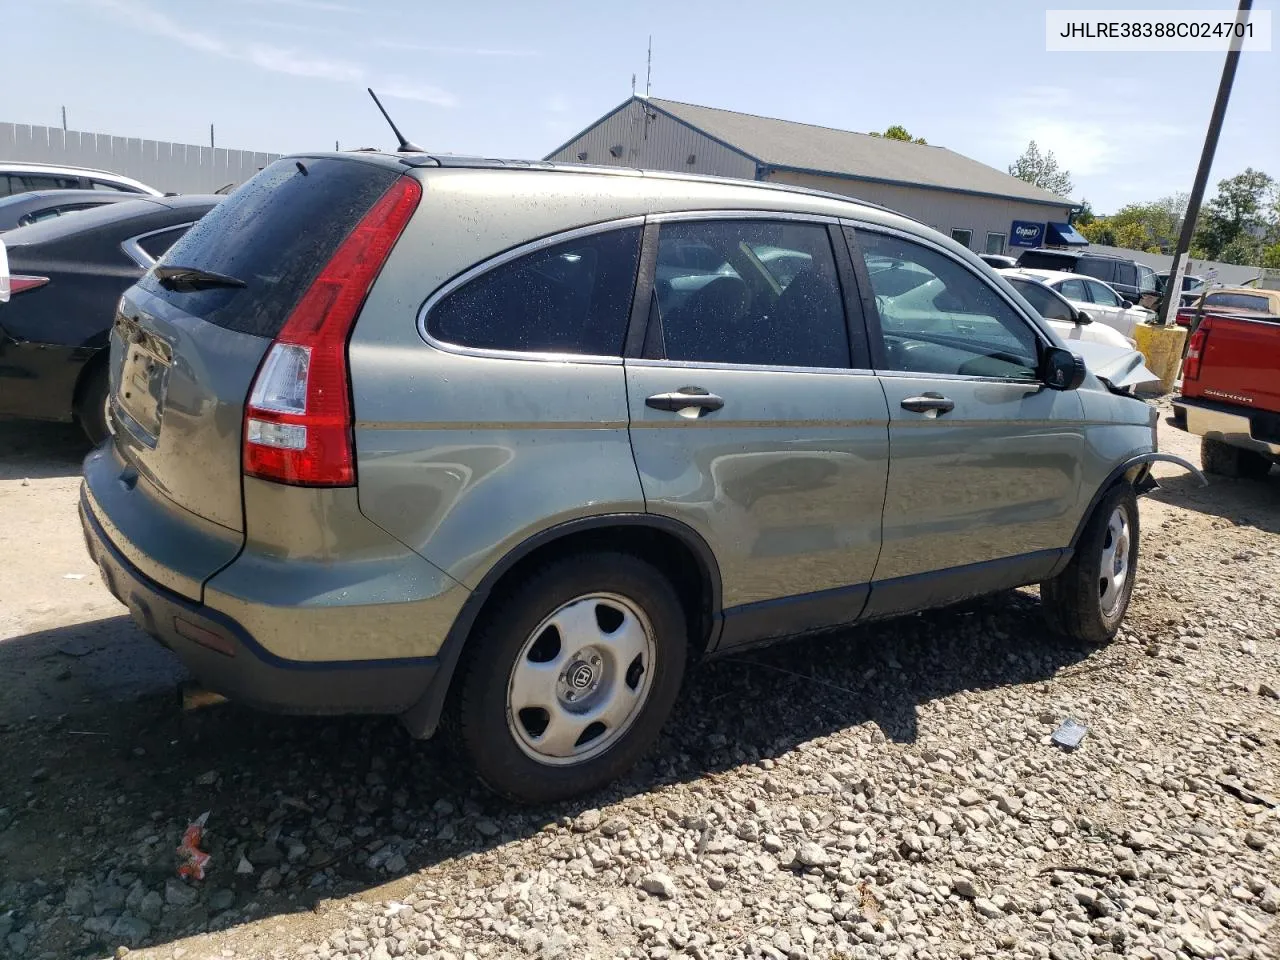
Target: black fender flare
column 422, row 719
column 1137, row 471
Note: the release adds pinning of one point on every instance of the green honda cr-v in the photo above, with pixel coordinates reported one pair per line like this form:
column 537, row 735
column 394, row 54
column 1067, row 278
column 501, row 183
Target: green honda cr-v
column 406, row 434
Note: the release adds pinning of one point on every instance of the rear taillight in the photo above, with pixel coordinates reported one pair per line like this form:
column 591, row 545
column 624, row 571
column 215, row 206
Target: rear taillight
column 298, row 423
column 21, row 284
column 1195, row 353
column 1184, row 317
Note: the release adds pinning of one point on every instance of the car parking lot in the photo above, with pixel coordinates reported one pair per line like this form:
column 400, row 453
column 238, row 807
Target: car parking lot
column 888, row 791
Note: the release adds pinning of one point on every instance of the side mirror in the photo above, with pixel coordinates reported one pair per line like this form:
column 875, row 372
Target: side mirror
column 1082, row 317
column 1061, row 369
column 1126, row 303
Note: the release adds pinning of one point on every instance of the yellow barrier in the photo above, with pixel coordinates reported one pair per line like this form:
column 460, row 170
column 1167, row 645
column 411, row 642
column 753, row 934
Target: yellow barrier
column 1162, row 348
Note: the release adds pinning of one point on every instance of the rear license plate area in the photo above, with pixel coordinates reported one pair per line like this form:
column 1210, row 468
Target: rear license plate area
column 144, row 380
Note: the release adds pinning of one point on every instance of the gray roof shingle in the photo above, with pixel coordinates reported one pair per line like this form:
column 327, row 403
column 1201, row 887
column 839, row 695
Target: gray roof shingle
column 803, row 146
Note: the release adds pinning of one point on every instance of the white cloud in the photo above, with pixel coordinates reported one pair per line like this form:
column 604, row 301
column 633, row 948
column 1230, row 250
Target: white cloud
column 266, row 56
column 281, row 60
column 323, row 5
column 455, row 51
column 412, row 90
column 1088, row 135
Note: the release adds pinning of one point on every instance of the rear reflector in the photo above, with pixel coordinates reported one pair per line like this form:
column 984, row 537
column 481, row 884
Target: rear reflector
column 203, row 636
column 20, row 284
column 298, row 421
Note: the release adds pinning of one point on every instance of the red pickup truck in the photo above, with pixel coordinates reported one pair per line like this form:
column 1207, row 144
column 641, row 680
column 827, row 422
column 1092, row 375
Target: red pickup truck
column 1231, row 391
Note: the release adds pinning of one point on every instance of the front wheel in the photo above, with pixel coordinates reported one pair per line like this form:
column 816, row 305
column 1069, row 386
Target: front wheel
column 570, row 676
column 1088, row 599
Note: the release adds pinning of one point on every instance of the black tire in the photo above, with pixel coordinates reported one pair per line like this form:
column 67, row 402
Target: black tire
column 1227, row 461
column 91, row 404
column 1073, row 600
column 507, row 623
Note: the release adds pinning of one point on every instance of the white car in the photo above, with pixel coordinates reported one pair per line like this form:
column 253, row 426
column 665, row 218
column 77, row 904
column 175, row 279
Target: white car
column 1068, row 321
column 1098, row 300
column 20, row 176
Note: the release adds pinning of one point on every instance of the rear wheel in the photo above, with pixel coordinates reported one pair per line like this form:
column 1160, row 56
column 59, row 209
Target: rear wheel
column 1087, row 600
column 91, row 404
column 570, row 676
column 1228, row 461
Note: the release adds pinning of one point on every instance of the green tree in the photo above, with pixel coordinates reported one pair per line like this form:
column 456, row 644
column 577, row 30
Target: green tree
column 1271, row 256
column 899, row 132
column 1240, row 216
column 1099, row 230
column 1041, row 170
column 1083, row 216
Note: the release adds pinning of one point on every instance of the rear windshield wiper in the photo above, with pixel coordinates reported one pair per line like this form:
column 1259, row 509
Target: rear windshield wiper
column 178, row 278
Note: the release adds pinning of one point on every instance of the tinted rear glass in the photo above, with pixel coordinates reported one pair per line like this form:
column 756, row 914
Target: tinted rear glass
column 1044, row 260
column 1101, row 269
column 1238, row 301
column 275, row 233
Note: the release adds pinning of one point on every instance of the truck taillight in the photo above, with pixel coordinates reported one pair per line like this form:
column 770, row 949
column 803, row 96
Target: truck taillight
column 1184, row 317
column 1195, row 353
column 298, row 419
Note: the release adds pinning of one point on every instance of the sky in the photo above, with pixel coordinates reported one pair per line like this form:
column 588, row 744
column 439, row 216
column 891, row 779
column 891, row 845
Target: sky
column 517, row 79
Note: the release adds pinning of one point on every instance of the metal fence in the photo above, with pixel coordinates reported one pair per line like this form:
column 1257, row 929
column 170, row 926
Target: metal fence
column 1228, row 274
column 169, row 167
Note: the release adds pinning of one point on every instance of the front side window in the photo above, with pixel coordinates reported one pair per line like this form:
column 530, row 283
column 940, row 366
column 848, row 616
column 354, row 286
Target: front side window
column 1047, row 303
column 995, row 242
column 1101, row 293
column 570, row 297
column 755, row 292
column 113, row 187
column 963, row 237
column 945, row 320
column 36, row 181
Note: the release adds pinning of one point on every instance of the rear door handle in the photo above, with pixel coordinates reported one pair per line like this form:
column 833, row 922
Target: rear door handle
column 934, row 403
column 685, row 398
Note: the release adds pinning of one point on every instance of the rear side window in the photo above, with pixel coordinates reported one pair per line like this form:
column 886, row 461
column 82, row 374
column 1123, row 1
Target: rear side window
column 1101, row 269
column 158, row 244
column 1047, row 303
column 767, row 296
column 275, row 233
column 570, row 297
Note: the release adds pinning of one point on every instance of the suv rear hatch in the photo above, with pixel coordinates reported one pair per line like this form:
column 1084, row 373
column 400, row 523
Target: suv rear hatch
column 189, row 339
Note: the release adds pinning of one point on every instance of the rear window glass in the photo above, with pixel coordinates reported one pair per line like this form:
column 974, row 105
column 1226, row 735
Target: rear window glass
column 1047, row 260
column 275, row 233
column 1099, row 269
column 1238, row 301
column 1048, row 304
column 572, row 297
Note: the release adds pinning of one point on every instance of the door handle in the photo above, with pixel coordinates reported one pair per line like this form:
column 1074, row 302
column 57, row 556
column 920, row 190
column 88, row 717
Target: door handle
column 683, row 399
column 934, row 403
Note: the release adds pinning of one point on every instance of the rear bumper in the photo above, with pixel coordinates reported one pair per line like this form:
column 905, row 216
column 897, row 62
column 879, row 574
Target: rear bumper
column 1220, row 421
column 226, row 658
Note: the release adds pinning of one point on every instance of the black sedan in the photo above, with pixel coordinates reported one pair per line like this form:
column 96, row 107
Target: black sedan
column 24, row 209
column 65, row 277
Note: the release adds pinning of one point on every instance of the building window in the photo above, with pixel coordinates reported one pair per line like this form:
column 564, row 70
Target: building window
column 962, row 237
column 995, row 242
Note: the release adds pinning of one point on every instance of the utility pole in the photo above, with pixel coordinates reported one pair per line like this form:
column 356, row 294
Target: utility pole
column 64, row 119
column 648, row 70
column 336, row 148
column 1173, row 290
column 211, row 136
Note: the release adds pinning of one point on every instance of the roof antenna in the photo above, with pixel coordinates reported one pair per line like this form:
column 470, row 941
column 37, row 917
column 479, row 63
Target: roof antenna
column 406, row 146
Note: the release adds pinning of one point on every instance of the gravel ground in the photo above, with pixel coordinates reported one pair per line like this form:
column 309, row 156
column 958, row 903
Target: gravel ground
column 885, row 792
